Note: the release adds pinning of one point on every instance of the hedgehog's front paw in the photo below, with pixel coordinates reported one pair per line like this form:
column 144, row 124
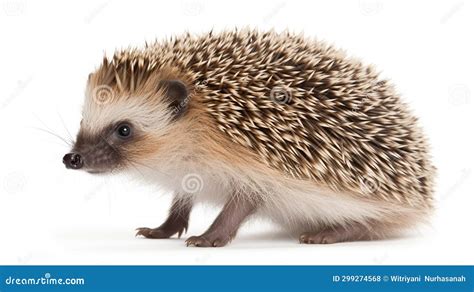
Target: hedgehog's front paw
column 153, row 232
column 206, row 241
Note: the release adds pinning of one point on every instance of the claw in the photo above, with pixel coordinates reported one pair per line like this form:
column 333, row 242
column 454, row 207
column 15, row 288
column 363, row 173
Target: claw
column 201, row 241
column 197, row 241
column 153, row 233
column 142, row 230
column 323, row 237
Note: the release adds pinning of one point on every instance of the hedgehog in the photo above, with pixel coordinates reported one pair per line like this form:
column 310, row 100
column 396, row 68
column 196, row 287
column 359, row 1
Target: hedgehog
column 263, row 124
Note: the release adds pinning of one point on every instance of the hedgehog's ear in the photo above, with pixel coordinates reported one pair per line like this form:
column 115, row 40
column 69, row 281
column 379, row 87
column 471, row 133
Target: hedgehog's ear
column 177, row 94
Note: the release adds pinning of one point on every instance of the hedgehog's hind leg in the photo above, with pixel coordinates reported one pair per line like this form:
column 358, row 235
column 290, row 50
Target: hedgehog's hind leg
column 341, row 233
column 177, row 221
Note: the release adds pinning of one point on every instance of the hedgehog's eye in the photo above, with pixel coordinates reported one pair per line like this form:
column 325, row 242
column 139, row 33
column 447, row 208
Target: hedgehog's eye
column 124, row 131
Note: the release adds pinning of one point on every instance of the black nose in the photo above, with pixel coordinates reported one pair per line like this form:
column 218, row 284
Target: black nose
column 73, row 160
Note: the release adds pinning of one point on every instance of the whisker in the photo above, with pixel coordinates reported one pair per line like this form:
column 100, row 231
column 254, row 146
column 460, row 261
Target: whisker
column 68, row 143
column 65, row 128
column 50, row 131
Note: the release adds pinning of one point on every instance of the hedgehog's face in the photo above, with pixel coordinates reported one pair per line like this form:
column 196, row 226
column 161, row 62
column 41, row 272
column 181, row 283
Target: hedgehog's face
column 102, row 150
column 125, row 129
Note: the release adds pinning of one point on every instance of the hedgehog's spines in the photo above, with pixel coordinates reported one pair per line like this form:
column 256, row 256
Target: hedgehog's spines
column 302, row 106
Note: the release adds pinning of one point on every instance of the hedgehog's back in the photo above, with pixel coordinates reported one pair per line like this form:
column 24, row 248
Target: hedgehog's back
column 307, row 110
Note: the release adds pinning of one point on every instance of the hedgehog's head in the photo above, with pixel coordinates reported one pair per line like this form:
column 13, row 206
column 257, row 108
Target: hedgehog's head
column 128, row 110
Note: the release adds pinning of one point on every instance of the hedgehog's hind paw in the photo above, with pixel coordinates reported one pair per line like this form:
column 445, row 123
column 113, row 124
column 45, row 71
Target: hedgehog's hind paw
column 356, row 232
column 322, row 237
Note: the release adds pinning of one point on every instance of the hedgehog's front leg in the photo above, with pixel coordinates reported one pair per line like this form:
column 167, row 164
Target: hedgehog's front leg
column 177, row 221
column 225, row 227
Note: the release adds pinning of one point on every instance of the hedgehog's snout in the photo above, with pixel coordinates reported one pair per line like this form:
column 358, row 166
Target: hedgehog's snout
column 73, row 161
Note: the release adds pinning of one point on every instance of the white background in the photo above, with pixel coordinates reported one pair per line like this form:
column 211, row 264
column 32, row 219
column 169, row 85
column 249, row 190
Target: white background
column 49, row 215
